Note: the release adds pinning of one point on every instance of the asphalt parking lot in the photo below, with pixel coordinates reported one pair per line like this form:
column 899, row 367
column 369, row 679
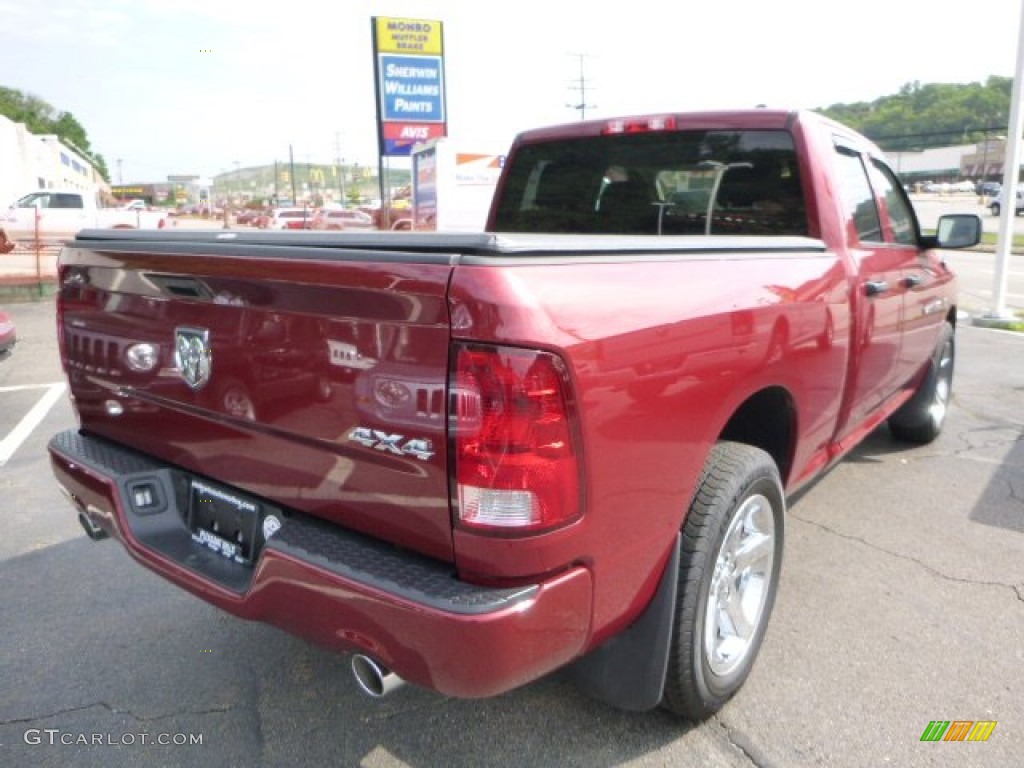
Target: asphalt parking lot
column 901, row 603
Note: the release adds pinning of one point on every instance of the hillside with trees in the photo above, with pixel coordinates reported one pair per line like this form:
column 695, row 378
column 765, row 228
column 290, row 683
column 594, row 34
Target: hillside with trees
column 41, row 118
column 931, row 115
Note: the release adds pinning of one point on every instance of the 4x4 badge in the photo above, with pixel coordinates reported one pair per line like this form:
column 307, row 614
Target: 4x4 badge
column 192, row 355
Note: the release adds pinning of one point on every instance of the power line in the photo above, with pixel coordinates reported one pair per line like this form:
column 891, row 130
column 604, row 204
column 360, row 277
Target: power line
column 951, row 132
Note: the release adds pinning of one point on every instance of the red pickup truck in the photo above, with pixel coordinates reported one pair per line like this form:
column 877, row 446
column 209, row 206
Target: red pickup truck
column 470, row 460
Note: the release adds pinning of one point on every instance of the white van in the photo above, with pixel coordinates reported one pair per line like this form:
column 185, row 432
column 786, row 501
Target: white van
column 997, row 204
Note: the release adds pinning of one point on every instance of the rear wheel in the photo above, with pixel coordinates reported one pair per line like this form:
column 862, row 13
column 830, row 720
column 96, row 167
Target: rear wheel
column 728, row 576
column 921, row 418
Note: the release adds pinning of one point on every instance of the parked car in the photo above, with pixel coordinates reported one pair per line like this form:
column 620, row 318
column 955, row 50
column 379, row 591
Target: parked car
column 8, row 335
column 290, row 218
column 250, row 216
column 988, row 188
column 996, row 206
column 342, row 218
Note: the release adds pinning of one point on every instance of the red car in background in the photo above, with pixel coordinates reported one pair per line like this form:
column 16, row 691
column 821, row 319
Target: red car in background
column 248, row 216
column 8, row 336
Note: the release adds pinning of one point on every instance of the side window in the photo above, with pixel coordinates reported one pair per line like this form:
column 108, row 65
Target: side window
column 38, row 200
column 858, row 199
column 60, row 200
column 901, row 215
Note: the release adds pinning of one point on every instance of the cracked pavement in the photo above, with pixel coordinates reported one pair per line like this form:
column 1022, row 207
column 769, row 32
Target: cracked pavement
column 900, row 603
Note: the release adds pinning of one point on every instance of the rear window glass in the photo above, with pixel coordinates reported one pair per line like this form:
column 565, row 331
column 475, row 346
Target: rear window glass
column 678, row 182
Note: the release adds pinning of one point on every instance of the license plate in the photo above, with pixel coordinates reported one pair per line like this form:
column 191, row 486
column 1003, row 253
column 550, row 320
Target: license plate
column 219, row 545
column 224, row 521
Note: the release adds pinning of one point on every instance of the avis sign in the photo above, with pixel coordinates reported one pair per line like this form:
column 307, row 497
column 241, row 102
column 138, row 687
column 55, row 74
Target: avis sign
column 409, row 69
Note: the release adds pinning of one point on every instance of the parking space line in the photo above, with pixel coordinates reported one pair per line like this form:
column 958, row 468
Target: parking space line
column 23, row 387
column 31, row 420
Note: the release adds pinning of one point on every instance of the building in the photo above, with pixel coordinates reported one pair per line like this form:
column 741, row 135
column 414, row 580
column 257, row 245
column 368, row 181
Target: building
column 983, row 161
column 935, row 164
column 31, row 162
column 986, row 162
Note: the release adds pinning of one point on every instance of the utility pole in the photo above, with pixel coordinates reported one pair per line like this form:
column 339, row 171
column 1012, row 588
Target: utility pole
column 580, row 85
column 291, row 168
column 341, row 166
column 120, row 175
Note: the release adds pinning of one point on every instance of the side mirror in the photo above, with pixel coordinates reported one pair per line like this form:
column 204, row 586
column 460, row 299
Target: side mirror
column 955, row 230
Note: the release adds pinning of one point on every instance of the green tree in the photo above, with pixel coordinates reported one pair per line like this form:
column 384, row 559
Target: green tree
column 932, row 115
column 69, row 129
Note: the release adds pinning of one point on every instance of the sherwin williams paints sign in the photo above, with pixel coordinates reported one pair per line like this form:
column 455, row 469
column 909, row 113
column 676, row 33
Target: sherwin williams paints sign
column 409, row 68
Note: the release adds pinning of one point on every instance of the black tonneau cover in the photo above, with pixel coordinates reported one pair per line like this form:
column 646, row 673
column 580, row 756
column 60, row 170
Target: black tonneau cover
column 449, row 246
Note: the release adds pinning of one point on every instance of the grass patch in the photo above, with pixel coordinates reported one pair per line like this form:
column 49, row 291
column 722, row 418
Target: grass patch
column 1015, row 325
column 989, row 238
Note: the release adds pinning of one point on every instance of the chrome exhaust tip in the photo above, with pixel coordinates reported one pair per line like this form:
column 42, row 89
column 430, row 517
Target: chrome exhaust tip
column 373, row 678
column 92, row 530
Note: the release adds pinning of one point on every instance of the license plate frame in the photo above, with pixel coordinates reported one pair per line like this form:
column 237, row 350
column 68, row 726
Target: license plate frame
column 224, row 521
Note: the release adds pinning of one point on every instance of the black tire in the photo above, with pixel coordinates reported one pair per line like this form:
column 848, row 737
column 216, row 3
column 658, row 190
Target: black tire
column 921, row 418
column 994, row 208
column 739, row 506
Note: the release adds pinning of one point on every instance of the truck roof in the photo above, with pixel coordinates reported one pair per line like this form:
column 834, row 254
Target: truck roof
column 759, row 118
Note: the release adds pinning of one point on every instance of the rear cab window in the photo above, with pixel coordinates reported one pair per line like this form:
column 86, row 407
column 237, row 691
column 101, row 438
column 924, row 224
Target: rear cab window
column 699, row 182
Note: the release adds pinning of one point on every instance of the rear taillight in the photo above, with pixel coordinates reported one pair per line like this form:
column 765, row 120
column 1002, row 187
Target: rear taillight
column 640, row 125
column 516, row 463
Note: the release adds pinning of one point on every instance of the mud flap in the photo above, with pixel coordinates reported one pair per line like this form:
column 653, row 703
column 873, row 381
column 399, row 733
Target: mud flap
column 628, row 671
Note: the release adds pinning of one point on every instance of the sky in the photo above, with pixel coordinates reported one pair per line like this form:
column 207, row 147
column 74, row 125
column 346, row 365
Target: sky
column 206, row 86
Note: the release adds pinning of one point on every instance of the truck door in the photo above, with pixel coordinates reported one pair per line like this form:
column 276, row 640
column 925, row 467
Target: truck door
column 61, row 214
column 921, row 273
column 878, row 303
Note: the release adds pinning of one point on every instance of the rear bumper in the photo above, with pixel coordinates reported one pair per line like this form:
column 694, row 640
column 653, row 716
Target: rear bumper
column 334, row 587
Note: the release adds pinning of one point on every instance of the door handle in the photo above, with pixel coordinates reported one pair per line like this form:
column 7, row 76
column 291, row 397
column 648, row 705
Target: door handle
column 875, row 287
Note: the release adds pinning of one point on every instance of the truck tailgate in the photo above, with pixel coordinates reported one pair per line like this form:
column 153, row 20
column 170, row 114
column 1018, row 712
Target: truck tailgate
column 311, row 377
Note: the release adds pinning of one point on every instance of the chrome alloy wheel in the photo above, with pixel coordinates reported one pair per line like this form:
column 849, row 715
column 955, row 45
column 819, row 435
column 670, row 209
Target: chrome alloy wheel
column 943, row 385
column 740, row 585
